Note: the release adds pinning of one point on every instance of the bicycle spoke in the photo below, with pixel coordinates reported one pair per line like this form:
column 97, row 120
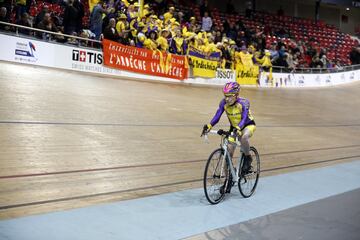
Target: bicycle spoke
column 214, row 177
column 248, row 182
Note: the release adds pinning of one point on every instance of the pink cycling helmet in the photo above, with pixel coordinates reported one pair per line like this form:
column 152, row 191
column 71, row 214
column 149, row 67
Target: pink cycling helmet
column 231, row 88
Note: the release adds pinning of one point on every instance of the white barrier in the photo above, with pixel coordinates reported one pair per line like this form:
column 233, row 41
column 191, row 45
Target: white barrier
column 34, row 52
column 309, row 80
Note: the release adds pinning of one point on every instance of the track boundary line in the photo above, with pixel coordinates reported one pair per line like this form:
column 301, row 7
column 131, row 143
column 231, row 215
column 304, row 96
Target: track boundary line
column 155, row 186
column 156, row 164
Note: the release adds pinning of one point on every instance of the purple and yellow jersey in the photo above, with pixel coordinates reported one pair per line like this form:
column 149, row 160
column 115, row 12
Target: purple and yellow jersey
column 239, row 114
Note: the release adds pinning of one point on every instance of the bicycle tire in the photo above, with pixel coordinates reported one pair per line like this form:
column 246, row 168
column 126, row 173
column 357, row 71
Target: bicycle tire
column 213, row 180
column 247, row 183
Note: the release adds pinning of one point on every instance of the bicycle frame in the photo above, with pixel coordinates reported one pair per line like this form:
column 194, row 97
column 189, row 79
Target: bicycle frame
column 234, row 172
column 224, row 145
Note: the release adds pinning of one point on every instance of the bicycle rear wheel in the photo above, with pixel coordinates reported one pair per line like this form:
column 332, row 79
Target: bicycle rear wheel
column 215, row 177
column 248, row 182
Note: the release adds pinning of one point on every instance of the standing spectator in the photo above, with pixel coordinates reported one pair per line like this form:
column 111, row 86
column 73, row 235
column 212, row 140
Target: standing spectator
column 232, row 32
column 121, row 25
column 110, row 31
column 280, row 11
column 323, row 60
column 96, row 20
column 162, row 41
column 206, row 22
column 81, row 13
column 71, row 19
column 168, row 15
column 274, row 54
column 20, row 8
column 218, row 36
column 355, row 56
column 204, row 8
column 230, row 8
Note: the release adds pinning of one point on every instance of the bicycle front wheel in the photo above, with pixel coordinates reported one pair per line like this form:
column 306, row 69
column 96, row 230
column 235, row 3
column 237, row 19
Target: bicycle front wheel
column 215, row 177
column 248, row 182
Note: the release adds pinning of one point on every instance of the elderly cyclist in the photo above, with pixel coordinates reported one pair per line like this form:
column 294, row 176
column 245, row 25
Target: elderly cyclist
column 242, row 122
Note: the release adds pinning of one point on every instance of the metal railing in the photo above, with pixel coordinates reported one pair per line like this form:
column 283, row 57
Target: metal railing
column 49, row 35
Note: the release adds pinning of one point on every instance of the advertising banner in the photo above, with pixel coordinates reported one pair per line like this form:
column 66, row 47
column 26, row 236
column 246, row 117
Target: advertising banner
column 247, row 75
column 308, row 80
column 144, row 61
column 203, row 65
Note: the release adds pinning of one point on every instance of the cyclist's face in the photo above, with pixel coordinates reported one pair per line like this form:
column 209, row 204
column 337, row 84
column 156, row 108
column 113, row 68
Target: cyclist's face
column 230, row 98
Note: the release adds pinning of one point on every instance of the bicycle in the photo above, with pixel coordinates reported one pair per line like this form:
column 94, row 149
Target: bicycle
column 220, row 174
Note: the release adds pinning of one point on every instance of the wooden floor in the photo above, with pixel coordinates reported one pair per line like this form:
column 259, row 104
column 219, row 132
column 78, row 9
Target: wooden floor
column 70, row 140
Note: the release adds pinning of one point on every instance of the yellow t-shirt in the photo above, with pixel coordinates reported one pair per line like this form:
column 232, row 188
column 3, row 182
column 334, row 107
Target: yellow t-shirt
column 167, row 16
column 120, row 26
column 163, row 43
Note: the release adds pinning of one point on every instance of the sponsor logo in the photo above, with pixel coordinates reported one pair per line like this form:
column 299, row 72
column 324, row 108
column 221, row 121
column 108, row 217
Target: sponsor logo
column 225, row 74
column 352, row 76
column 25, row 51
column 328, row 79
column 87, row 56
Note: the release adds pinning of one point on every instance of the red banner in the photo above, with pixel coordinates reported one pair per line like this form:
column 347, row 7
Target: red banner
column 144, row 61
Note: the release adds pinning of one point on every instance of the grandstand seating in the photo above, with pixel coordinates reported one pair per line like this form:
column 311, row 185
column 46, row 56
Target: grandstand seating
column 337, row 44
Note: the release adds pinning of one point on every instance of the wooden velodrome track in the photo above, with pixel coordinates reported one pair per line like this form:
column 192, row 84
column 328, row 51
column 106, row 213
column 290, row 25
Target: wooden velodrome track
column 71, row 140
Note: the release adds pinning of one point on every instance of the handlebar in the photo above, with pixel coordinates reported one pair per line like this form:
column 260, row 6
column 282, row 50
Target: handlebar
column 220, row 132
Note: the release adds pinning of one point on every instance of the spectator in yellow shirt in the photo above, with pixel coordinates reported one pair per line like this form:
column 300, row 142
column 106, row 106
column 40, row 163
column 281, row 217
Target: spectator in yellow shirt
column 150, row 43
column 121, row 25
column 162, row 41
column 168, row 15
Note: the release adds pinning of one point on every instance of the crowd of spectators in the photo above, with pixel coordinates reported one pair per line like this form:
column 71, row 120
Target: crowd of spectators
column 164, row 25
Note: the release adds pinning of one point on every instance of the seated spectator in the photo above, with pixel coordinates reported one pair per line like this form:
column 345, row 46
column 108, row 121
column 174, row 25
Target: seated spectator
column 41, row 15
column 338, row 65
column 24, row 21
column 4, row 18
column 316, row 63
column 86, row 33
column 48, row 25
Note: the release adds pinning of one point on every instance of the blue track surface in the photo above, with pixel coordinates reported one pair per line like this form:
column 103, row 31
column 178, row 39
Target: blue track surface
column 186, row 213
